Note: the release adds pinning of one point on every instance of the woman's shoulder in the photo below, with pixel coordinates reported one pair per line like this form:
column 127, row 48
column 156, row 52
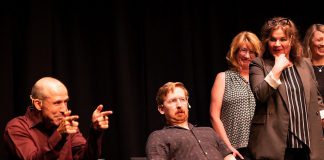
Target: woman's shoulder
column 305, row 61
column 257, row 60
column 221, row 75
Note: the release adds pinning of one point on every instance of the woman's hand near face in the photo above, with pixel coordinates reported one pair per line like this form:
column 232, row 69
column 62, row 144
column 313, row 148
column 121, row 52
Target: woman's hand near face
column 281, row 63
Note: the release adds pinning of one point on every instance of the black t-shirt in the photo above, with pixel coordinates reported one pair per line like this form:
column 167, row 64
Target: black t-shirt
column 319, row 73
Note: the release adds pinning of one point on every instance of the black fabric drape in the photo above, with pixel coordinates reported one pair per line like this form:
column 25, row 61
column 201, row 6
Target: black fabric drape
column 118, row 52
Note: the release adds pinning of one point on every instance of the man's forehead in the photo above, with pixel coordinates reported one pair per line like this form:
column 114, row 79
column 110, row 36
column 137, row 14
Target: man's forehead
column 176, row 92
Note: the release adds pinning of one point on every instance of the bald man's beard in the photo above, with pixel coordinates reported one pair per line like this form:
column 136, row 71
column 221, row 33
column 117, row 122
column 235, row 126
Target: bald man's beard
column 178, row 118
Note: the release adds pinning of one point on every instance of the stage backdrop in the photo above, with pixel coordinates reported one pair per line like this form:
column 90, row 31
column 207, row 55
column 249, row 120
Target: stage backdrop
column 119, row 52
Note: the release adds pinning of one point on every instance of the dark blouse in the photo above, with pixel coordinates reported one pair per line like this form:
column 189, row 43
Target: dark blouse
column 26, row 138
column 197, row 143
column 320, row 78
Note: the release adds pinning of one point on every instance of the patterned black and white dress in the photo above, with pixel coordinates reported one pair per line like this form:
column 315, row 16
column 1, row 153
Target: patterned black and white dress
column 237, row 109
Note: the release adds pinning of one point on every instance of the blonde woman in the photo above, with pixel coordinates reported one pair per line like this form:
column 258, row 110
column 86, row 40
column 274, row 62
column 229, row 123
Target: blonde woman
column 232, row 101
column 314, row 49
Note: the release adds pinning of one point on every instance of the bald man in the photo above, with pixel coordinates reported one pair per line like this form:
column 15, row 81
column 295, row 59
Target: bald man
column 49, row 131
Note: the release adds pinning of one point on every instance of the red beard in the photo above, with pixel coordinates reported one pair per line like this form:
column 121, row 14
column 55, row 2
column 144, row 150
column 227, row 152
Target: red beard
column 179, row 117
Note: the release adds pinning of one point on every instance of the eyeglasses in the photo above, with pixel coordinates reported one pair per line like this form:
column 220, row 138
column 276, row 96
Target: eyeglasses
column 174, row 101
column 245, row 51
column 275, row 22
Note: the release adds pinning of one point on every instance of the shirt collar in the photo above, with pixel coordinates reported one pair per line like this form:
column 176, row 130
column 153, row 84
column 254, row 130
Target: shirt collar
column 33, row 117
column 175, row 126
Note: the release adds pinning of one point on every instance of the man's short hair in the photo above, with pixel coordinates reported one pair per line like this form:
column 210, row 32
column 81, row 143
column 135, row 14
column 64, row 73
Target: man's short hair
column 169, row 87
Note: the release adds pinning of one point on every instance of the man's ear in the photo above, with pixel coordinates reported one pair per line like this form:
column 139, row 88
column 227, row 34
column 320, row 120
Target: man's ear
column 161, row 109
column 37, row 104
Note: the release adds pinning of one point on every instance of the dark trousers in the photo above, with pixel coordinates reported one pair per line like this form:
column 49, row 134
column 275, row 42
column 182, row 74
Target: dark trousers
column 297, row 154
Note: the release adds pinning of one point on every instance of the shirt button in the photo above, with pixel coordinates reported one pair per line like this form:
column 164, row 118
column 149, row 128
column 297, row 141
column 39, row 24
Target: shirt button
column 206, row 153
column 199, row 141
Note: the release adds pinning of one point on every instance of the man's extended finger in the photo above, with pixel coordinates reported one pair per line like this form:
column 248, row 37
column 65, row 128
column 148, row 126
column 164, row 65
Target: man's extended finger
column 71, row 118
column 71, row 131
column 106, row 113
column 104, row 126
column 75, row 123
column 67, row 113
column 99, row 119
column 103, row 122
column 99, row 108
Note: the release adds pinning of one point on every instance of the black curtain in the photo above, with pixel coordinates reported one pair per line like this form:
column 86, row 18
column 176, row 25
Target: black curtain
column 119, row 52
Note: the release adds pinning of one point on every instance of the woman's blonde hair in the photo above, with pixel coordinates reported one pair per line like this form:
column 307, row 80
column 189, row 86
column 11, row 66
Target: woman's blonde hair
column 244, row 37
column 308, row 38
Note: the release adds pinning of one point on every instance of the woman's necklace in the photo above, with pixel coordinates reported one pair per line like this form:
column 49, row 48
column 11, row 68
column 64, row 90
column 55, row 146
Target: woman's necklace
column 319, row 68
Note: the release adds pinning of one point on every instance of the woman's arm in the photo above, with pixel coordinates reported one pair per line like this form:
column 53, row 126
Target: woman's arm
column 217, row 94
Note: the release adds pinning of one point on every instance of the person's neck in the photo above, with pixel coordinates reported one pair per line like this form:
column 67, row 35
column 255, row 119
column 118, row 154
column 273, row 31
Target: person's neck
column 183, row 125
column 318, row 61
column 244, row 72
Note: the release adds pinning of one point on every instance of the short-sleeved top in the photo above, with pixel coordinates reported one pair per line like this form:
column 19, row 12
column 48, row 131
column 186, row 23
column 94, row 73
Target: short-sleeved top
column 237, row 109
column 195, row 143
